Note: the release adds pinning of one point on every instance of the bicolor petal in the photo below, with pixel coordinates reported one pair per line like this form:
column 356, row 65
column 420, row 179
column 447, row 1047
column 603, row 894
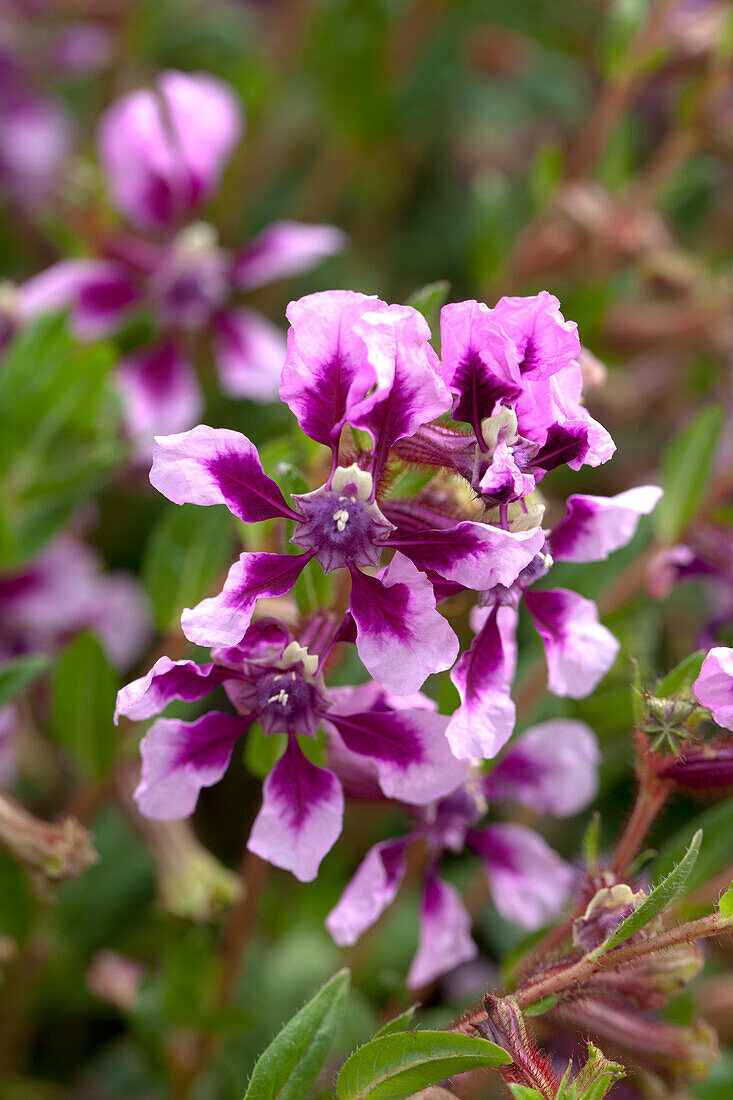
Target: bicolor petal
column 301, row 816
column 714, row 686
column 283, row 249
column 480, row 362
column 222, row 620
column 529, row 881
column 552, row 768
column 166, row 681
column 160, row 394
column 544, row 340
column 216, row 466
column 401, row 637
column 369, row 893
column 593, row 527
column 400, row 387
column 475, row 555
column 99, row 293
column 445, row 934
column 324, row 357
column 179, row 758
column 579, row 650
column 409, row 751
column 249, row 352
column 483, row 676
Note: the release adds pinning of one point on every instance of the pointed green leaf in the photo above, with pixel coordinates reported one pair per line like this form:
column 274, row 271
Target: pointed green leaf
column 686, row 464
column 289, row 1067
column 680, row 679
column 661, row 896
column 399, row 1023
column 522, row 1092
column 84, row 693
column 591, row 844
column 392, row 1067
column 17, row 673
column 429, row 300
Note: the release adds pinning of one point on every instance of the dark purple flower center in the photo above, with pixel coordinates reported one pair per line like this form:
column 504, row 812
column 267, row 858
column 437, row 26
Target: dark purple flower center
column 340, row 526
column 286, row 702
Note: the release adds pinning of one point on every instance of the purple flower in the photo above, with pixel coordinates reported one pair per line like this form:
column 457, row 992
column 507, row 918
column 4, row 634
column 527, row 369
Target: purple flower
column 529, row 882
column 373, row 367
column 714, row 686
column 163, row 152
column 272, row 679
column 579, row 650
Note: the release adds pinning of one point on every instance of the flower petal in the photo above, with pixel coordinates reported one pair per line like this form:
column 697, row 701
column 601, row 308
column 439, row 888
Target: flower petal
column 285, row 248
column 480, row 362
column 714, row 686
column 301, row 816
column 372, row 889
column 552, row 768
column 593, row 527
column 401, row 637
column 324, row 357
column 445, row 934
column 483, row 675
column 160, row 394
column 216, row 466
column 409, row 751
column 529, row 881
column 476, row 555
column 545, row 341
column 578, row 648
column 249, row 352
column 222, row 620
column 163, row 150
column 99, row 293
column 179, row 758
column 401, row 387
column 166, row 681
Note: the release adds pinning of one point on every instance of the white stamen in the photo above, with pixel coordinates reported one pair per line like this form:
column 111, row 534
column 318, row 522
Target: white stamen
column 341, row 518
column 196, row 240
column 281, row 697
column 295, row 653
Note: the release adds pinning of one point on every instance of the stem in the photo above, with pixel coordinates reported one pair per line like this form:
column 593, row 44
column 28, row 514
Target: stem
column 653, row 793
column 253, row 872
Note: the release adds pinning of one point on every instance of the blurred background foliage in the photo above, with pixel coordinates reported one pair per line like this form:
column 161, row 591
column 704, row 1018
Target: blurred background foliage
column 502, row 145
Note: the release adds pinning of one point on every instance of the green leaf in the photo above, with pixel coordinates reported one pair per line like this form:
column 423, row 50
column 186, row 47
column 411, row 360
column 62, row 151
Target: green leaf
column 429, row 300
column 188, row 550
column 81, row 718
column 725, row 905
column 686, row 465
column 262, row 751
column 522, row 1092
column 541, row 1006
column 661, row 896
column 18, row 672
column 399, row 1023
column 680, row 679
column 392, row 1067
column 289, row 1067
column 59, row 438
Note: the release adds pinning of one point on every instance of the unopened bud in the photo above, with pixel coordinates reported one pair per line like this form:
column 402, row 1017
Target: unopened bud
column 604, row 913
column 701, row 767
column 115, row 978
column 505, row 1026
column 55, row 849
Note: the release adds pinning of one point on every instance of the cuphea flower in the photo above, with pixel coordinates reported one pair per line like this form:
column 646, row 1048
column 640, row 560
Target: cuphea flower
column 529, row 882
column 351, row 359
column 163, row 152
column 714, row 686
column 272, row 679
column 579, row 650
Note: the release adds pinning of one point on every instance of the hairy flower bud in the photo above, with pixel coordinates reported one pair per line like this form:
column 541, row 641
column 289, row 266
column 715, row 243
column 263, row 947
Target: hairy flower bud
column 56, row 850
column 605, row 911
column 505, row 1026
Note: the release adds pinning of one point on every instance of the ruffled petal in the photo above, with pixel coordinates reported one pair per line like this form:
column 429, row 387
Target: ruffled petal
column 480, row 362
column 166, row 681
column 475, row 555
column 578, row 648
column 593, row 527
column 714, row 686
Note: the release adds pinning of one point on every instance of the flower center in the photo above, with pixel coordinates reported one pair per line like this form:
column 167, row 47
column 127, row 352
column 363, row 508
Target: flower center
column 339, row 524
column 191, row 282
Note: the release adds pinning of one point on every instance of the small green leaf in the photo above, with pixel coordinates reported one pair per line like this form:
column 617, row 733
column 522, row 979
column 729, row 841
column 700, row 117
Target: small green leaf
column 680, row 679
column 81, row 717
column 686, row 464
column 18, row 672
column 591, row 844
column 522, row 1092
column 188, row 549
column 392, row 1067
column 541, row 1006
column 725, row 905
column 429, row 300
column 661, row 896
column 262, row 751
column 289, row 1067
column 399, row 1023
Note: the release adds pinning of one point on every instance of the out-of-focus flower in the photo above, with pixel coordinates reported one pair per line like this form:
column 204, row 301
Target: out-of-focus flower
column 56, row 850
column 115, row 978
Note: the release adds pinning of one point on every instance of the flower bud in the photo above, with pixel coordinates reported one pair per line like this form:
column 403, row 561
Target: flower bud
column 115, row 978
column 702, row 767
column 604, row 913
column 505, row 1026
column 56, row 850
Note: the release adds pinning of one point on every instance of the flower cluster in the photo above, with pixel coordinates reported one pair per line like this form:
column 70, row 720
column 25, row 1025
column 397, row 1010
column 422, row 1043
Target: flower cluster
column 500, row 410
column 162, row 152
